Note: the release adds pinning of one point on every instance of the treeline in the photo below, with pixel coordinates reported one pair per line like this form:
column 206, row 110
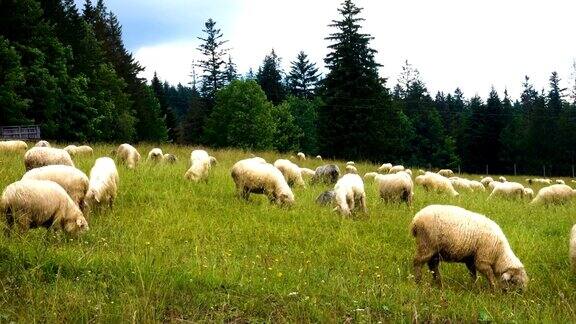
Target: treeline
column 69, row 72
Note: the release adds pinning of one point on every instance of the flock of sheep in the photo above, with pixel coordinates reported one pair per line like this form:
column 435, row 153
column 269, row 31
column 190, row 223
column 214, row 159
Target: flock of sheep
column 442, row 232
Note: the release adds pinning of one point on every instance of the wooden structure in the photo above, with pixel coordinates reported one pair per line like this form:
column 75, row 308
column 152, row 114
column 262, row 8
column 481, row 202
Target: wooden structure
column 31, row 132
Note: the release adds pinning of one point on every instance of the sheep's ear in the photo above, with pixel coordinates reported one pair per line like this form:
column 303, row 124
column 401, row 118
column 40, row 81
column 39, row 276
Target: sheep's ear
column 506, row 276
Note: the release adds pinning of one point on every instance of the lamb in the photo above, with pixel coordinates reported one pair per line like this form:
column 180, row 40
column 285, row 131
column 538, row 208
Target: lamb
column 446, row 173
column 301, row 156
column 385, row 167
column 290, row 171
column 554, row 194
column 351, row 169
column 252, row 176
column 307, row 172
column 103, row 186
column 199, row 167
column 155, row 155
column 454, row 234
column 560, row 181
column 328, row 173
column 509, row 190
column 396, row 168
column 435, row 182
column 572, row 249
column 41, row 156
column 370, row 175
column 349, row 191
column 13, row 146
column 169, row 158
column 486, row 180
column 42, row 144
column 395, row 187
column 326, row 197
column 128, row 155
column 41, row 203
column 74, row 181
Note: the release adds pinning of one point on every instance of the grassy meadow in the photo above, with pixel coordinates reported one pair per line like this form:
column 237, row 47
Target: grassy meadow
column 172, row 250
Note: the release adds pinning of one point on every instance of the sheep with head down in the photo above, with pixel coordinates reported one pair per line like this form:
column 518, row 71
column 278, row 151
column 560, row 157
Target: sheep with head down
column 200, row 165
column 291, row 172
column 155, row 155
column 370, row 175
column 13, row 146
column 301, row 156
column 349, row 193
column 169, row 158
column 396, row 168
column 257, row 177
column 507, row 190
column 41, row 203
column 41, row 156
column 397, row 187
column 572, row 248
column 307, row 172
column 434, row 182
column 486, row 181
column 454, row 234
column 351, row 169
column 385, row 167
column 554, row 194
column 446, row 173
column 42, row 143
column 328, row 173
column 103, row 185
column 128, row 155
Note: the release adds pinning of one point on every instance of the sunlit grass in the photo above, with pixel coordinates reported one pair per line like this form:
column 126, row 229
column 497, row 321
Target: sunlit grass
column 171, row 250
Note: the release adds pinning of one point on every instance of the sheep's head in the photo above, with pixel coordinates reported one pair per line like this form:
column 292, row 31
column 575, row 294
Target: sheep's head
column 213, row 161
column 285, row 198
column 515, row 278
column 76, row 224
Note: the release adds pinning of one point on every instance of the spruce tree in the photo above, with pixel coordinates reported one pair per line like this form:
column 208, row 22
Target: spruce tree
column 303, row 77
column 212, row 65
column 357, row 120
column 231, row 71
column 165, row 109
column 269, row 77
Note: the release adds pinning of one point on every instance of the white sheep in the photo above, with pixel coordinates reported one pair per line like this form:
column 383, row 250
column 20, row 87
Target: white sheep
column 539, row 181
column 74, row 181
column 41, row 203
column 486, row 180
column 396, row 168
column 128, row 155
column 554, row 194
column 560, row 181
column 370, row 175
column 528, row 193
column 454, row 234
column 502, row 179
column 349, row 191
column 476, row 185
column 74, row 150
column 509, row 190
column 446, row 173
column 318, row 157
column 103, row 186
column 41, row 156
column 70, row 149
column 301, row 156
column 385, row 167
column 435, row 182
column 42, row 144
column 13, row 146
column 155, row 155
column 291, row 172
column 351, row 169
column 396, row 187
column 460, row 183
column 408, row 171
column 350, row 163
column 307, row 172
column 572, row 248
column 252, row 176
column 199, row 166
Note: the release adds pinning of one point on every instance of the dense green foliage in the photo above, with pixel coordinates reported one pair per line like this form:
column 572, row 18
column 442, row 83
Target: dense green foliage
column 176, row 251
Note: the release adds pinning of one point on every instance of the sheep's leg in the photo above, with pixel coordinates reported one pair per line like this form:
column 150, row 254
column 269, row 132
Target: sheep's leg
column 423, row 255
column 487, row 271
column 433, row 264
column 471, row 268
column 363, row 203
column 351, row 203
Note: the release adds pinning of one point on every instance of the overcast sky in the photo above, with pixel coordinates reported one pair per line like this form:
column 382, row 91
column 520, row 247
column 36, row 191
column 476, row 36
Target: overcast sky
column 472, row 44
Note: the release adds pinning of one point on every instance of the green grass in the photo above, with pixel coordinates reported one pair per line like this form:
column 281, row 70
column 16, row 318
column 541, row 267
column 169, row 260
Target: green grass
column 174, row 250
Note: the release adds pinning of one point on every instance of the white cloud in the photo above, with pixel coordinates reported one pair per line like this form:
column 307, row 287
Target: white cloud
column 471, row 44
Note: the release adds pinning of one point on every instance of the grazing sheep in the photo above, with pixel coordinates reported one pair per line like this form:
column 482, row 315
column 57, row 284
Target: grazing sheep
column 301, row 156
column 199, row 167
column 13, row 146
column 554, row 194
column 509, row 190
column 408, row 171
column 435, row 182
column 328, row 173
column 572, row 248
column 350, row 163
column 349, row 191
column 351, row 169
column 290, row 171
column 251, row 176
column 370, row 175
column 41, row 156
column 307, row 172
column 486, row 180
column 318, row 157
column 128, row 155
column 460, row 183
column 74, row 150
column 560, row 181
column 41, row 203
column 155, row 155
column 528, row 193
column 421, row 172
column 385, row 167
column 169, row 158
column 326, row 197
column 454, row 234
column 395, row 187
column 70, row 149
column 42, row 144
column 476, row 185
column 103, row 186
column 213, row 161
column 502, row 179
column 74, row 181
column 396, row 168
column 539, row 181
column 446, row 173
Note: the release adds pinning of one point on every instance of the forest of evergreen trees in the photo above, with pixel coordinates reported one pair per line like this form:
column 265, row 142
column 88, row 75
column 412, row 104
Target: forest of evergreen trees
column 67, row 70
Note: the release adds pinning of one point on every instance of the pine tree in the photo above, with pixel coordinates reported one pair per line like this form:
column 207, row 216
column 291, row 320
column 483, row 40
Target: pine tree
column 231, row 71
column 303, row 77
column 165, row 109
column 12, row 80
column 212, row 65
column 269, row 77
column 357, row 120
